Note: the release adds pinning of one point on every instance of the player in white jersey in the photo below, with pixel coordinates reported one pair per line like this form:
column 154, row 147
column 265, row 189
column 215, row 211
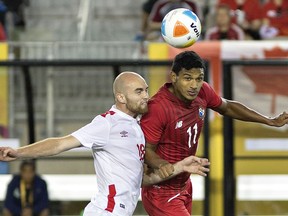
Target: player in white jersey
column 118, row 144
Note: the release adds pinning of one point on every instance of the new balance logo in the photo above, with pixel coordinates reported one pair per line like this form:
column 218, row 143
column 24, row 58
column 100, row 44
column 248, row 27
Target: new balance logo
column 179, row 124
column 124, row 133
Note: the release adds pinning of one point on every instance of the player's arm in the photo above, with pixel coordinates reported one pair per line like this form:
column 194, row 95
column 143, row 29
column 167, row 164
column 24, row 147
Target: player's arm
column 237, row 110
column 153, row 160
column 191, row 164
column 44, row 148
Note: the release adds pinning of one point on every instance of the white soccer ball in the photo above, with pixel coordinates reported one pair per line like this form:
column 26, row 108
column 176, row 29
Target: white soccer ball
column 181, row 28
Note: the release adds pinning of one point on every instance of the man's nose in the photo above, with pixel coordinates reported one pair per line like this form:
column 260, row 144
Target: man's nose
column 193, row 84
column 146, row 96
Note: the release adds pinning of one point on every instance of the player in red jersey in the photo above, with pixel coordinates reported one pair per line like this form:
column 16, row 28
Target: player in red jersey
column 172, row 128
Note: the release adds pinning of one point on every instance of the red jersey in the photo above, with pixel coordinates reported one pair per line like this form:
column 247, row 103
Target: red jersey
column 175, row 126
column 2, row 33
column 252, row 8
column 277, row 15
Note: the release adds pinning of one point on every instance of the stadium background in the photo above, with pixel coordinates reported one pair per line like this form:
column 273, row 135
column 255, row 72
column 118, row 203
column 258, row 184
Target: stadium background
column 61, row 106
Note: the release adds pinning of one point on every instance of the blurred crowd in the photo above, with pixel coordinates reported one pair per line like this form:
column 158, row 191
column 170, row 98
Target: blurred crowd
column 220, row 19
column 11, row 10
column 224, row 20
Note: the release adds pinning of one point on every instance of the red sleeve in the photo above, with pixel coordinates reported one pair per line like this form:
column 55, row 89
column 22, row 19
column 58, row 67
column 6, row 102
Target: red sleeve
column 212, row 98
column 2, row 33
column 153, row 123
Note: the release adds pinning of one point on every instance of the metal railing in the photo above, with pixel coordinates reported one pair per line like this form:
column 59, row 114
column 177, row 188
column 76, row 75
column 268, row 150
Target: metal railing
column 75, row 50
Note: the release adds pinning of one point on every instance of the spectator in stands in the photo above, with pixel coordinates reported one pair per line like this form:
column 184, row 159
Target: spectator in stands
column 26, row 193
column 246, row 14
column 3, row 10
column 275, row 19
column 224, row 29
column 146, row 10
column 2, row 33
column 16, row 7
column 161, row 8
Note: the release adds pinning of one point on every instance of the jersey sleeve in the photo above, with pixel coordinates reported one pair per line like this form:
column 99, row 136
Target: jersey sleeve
column 213, row 99
column 94, row 134
column 153, row 123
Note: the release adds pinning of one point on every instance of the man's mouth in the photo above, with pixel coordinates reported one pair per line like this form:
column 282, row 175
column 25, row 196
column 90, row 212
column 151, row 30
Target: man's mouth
column 192, row 93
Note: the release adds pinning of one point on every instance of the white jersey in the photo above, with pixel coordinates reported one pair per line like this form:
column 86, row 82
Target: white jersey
column 118, row 147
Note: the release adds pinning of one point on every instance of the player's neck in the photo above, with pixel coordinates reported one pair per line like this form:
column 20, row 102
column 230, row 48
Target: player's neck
column 178, row 95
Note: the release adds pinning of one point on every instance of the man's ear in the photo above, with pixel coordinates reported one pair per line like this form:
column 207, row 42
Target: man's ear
column 173, row 77
column 121, row 98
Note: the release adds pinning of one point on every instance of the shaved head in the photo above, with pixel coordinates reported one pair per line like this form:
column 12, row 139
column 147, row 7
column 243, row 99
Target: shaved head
column 123, row 80
column 131, row 93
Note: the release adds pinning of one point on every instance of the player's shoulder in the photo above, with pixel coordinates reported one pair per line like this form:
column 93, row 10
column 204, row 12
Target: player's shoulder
column 206, row 87
column 205, row 90
column 113, row 117
column 108, row 114
column 104, row 118
column 158, row 100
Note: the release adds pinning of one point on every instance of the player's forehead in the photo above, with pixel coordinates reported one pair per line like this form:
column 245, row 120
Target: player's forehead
column 137, row 83
column 195, row 72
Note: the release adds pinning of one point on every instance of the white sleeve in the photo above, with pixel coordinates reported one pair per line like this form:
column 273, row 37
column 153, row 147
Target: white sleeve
column 94, row 134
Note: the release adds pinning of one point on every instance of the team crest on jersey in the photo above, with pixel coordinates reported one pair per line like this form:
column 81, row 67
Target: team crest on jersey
column 201, row 112
column 124, row 133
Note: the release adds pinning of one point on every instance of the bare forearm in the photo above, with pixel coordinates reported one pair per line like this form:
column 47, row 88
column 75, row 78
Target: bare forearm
column 44, row 148
column 153, row 177
column 153, row 159
column 191, row 164
column 47, row 147
column 241, row 112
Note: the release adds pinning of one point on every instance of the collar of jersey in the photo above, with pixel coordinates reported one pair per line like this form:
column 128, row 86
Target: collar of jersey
column 124, row 115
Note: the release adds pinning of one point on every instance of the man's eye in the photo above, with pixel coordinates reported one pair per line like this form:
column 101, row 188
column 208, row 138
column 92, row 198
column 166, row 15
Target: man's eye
column 188, row 78
column 199, row 79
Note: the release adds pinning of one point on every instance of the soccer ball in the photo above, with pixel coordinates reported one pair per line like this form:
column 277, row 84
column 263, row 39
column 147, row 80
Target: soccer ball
column 181, row 28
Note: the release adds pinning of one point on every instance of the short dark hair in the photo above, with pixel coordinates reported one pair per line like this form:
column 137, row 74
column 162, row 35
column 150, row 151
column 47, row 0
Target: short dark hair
column 30, row 163
column 187, row 60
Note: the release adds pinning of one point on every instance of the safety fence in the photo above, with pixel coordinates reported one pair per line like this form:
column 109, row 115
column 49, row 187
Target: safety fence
column 67, row 89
